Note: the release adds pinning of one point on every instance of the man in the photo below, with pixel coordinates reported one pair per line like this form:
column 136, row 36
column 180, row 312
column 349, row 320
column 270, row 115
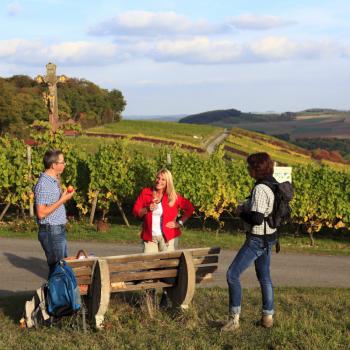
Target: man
column 50, row 210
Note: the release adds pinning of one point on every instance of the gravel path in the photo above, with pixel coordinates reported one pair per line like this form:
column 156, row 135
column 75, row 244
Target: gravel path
column 23, row 266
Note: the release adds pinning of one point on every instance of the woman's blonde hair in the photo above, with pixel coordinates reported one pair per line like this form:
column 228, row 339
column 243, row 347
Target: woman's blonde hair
column 170, row 189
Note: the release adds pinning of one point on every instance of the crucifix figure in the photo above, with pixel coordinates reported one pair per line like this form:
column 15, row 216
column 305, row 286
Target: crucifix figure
column 50, row 97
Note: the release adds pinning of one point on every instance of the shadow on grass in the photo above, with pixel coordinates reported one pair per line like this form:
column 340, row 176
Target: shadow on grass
column 34, row 265
column 12, row 303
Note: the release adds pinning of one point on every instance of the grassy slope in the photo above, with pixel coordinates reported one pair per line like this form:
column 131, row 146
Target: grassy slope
column 306, row 318
column 183, row 133
column 90, row 144
column 281, row 151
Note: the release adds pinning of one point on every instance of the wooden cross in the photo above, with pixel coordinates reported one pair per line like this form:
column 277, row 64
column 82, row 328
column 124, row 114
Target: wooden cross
column 51, row 80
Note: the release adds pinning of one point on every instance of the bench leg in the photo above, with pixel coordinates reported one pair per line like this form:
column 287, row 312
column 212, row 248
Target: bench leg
column 99, row 293
column 181, row 295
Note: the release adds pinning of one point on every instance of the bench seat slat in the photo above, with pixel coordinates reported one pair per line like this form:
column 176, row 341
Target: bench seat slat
column 211, row 259
column 82, row 262
column 140, row 286
column 136, row 276
column 84, row 280
column 140, row 265
column 143, row 257
column 82, row 271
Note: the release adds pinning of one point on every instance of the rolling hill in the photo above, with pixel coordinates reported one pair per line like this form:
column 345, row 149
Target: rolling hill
column 310, row 123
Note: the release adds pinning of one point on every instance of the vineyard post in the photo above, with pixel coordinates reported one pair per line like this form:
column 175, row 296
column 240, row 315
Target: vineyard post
column 4, row 211
column 93, row 209
column 122, row 213
column 29, row 162
column 168, row 158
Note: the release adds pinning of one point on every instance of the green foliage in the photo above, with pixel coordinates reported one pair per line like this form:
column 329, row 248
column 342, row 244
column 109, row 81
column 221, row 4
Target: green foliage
column 213, row 184
column 21, row 103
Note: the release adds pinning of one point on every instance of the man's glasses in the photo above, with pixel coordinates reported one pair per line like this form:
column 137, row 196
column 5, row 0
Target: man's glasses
column 60, row 162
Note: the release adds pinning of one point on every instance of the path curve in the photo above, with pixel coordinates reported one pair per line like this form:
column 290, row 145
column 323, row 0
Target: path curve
column 23, row 266
column 219, row 139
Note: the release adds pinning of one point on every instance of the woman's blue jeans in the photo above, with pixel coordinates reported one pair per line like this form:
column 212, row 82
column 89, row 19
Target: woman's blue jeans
column 253, row 250
column 54, row 242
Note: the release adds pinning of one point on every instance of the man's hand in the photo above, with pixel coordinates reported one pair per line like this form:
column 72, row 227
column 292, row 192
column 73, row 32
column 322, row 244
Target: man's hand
column 66, row 196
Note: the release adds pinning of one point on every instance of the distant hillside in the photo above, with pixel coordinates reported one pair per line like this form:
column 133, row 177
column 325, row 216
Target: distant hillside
column 310, row 123
column 165, row 118
column 234, row 116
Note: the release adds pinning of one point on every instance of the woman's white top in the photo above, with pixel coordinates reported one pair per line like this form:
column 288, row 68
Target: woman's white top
column 157, row 220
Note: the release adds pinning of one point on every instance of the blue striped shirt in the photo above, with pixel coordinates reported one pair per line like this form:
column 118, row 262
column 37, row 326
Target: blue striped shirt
column 47, row 191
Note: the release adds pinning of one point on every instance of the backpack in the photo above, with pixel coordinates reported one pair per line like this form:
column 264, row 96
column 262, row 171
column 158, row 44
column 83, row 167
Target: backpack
column 35, row 314
column 281, row 211
column 283, row 193
column 63, row 296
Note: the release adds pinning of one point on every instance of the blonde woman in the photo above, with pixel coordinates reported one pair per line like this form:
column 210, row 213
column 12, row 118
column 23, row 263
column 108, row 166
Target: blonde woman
column 159, row 208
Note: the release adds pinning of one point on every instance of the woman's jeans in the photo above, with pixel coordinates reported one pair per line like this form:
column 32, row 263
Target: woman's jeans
column 53, row 240
column 253, row 250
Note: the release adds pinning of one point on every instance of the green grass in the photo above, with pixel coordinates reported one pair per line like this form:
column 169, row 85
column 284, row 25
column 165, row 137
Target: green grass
column 335, row 244
column 90, row 144
column 197, row 135
column 306, row 318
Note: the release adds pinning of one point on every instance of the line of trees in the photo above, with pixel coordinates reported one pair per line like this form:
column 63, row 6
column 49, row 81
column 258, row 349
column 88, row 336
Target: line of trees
column 21, row 103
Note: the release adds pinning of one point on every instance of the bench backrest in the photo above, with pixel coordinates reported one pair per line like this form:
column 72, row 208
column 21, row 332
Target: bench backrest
column 158, row 270
column 83, row 270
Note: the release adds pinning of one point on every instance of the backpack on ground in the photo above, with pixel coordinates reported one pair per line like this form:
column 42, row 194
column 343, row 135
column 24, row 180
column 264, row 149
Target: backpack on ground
column 283, row 193
column 35, row 313
column 63, row 296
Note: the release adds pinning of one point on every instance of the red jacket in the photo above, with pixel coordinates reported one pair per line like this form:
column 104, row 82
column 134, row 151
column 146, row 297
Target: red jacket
column 169, row 213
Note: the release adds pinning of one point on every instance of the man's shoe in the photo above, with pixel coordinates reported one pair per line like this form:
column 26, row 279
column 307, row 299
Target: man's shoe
column 267, row 321
column 232, row 324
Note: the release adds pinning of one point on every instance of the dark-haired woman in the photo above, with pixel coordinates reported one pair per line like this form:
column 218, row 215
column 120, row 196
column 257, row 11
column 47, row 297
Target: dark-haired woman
column 257, row 246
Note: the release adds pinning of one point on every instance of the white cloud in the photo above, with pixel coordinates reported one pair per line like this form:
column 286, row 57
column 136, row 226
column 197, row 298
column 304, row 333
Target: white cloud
column 145, row 23
column 14, row 8
column 67, row 53
column 282, row 48
column 82, row 52
column 255, row 22
column 198, row 50
column 193, row 50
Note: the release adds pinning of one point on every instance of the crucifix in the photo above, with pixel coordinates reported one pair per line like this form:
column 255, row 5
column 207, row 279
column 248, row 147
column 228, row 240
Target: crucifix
column 50, row 97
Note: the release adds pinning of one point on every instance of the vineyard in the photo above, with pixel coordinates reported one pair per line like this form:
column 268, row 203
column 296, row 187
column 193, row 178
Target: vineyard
column 115, row 174
column 241, row 142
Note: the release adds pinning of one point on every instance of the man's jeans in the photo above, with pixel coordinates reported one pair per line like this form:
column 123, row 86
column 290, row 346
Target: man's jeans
column 53, row 240
column 254, row 250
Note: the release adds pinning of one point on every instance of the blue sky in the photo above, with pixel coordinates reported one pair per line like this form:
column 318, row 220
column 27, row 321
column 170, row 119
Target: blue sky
column 182, row 57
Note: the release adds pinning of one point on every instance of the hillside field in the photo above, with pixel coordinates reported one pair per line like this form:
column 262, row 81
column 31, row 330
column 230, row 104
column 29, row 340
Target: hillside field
column 241, row 142
column 196, row 135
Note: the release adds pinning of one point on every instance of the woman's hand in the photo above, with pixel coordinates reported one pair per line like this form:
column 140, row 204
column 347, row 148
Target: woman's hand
column 172, row 224
column 152, row 206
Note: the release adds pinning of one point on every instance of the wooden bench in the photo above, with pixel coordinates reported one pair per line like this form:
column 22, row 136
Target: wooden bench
column 84, row 271
column 177, row 271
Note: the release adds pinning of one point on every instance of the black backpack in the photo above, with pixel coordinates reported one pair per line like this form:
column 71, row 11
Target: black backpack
column 281, row 211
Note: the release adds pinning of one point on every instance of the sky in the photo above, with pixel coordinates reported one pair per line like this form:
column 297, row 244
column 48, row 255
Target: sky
column 181, row 57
